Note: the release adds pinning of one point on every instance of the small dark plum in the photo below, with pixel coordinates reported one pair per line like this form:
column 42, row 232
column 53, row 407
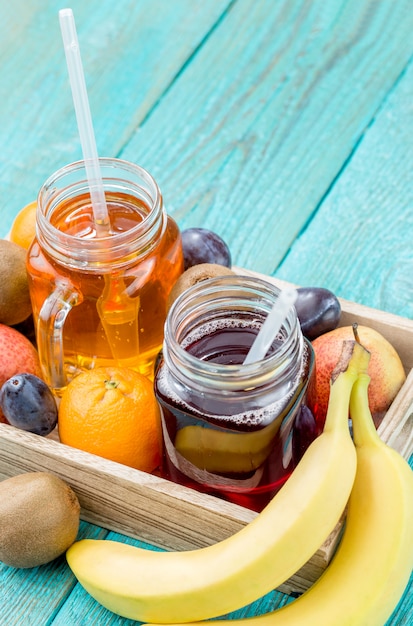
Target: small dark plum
column 318, row 311
column 201, row 245
column 29, row 404
column 305, row 430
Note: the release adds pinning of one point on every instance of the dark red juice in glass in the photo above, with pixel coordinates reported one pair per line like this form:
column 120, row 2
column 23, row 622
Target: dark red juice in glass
column 231, row 438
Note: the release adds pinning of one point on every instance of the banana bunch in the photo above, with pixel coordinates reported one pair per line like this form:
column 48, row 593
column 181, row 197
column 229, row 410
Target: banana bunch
column 208, row 582
column 374, row 560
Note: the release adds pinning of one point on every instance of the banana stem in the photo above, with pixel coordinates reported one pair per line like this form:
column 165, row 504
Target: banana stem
column 337, row 412
column 364, row 430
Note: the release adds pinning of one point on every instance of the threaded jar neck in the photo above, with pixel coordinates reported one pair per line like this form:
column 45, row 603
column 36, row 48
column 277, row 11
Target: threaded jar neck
column 121, row 179
column 218, row 303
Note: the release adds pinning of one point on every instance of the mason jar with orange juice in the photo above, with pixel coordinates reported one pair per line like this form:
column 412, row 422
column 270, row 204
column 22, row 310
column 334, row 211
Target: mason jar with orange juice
column 101, row 300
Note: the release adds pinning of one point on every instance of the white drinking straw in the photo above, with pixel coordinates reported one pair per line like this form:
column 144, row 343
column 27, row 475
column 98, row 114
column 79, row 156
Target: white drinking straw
column 84, row 120
column 271, row 326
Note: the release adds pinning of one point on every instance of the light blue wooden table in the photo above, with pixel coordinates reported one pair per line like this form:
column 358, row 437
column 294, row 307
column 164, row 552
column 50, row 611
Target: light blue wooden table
column 284, row 125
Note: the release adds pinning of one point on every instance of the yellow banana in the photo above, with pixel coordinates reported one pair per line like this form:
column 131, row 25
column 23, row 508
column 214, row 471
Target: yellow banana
column 371, row 568
column 199, row 584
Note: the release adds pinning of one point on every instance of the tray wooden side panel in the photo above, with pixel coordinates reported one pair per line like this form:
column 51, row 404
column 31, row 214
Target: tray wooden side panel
column 123, row 499
column 160, row 512
column 396, row 428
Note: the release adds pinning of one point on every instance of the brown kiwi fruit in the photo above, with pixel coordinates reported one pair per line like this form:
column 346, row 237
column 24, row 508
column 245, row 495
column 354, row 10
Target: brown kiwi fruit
column 39, row 519
column 15, row 304
column 196, row 274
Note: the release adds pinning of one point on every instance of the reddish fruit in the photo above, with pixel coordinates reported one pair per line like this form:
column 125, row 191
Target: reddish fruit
column 385, row 368
column 17, row 356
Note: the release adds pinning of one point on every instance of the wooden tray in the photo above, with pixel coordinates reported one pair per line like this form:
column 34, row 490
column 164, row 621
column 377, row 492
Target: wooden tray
column 170, row 516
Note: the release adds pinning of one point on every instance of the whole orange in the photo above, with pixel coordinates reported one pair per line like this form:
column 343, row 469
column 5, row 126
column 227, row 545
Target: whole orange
column 23, row 228
column 112, row 412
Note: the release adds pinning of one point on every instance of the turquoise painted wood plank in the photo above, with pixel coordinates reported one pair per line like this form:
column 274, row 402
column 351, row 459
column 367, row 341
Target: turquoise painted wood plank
column 251, row 135
column 131, row 53
column 32, row 596
column 359, row 243
column 403, row 614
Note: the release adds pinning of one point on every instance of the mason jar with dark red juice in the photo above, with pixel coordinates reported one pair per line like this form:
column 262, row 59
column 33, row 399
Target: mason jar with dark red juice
column 228, row 426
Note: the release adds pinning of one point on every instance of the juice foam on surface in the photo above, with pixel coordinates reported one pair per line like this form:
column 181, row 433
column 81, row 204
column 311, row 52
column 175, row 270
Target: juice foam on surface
column 257, row 418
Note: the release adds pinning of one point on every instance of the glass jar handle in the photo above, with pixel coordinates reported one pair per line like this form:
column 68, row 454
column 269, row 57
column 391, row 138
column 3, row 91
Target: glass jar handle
column 50, row 325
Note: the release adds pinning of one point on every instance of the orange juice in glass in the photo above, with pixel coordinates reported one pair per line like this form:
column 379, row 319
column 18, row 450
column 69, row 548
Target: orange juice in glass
column 101, row 300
